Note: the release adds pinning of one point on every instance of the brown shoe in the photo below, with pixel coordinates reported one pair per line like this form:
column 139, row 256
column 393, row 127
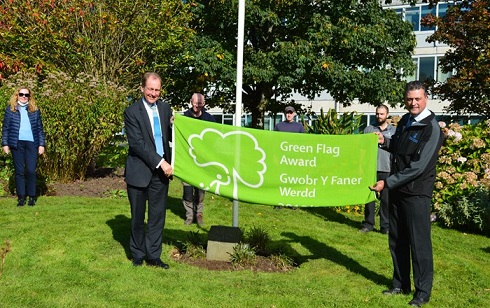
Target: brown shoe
column 200, row 221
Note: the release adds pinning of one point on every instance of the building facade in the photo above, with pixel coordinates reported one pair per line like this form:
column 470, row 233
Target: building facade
column 426, row 59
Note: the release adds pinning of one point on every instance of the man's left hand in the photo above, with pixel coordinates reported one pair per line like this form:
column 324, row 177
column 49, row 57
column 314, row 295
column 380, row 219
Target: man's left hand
column 378, row 187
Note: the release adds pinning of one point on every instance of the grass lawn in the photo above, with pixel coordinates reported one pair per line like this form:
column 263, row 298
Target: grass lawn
column 73, row 252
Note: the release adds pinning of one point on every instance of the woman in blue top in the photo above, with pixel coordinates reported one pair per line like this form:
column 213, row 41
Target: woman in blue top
column 23, row 135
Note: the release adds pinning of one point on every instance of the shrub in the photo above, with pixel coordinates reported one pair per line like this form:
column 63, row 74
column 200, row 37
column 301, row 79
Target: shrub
column 463, row 173
column 333, row 124
column 258, row 239
column 464, row 162
column 282, row 261
column 243, row 255
column 470, row 212
column 195, row 245
column 80, row 115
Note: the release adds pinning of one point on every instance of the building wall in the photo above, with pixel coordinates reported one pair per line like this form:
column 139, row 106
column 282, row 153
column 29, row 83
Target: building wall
column 425, row 56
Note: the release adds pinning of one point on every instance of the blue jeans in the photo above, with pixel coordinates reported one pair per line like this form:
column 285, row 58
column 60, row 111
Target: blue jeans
column 25, row 162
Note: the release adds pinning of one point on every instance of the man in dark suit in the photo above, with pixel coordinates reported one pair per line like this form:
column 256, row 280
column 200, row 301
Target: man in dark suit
column 148, row 170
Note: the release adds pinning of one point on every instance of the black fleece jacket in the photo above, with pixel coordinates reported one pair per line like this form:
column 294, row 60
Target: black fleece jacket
column 415, row 150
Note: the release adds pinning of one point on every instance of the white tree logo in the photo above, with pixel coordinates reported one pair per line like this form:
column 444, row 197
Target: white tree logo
column 232, row 145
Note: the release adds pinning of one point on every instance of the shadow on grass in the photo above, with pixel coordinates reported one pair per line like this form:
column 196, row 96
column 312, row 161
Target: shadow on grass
column 321, row 251
column 176, row 237
column 176, row 207
column 121, row 230
column 330, row 214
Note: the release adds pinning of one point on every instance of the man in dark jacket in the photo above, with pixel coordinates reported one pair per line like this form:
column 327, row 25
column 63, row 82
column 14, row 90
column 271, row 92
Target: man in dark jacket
column 415, row 147
column 193, row 197
column 148, row 170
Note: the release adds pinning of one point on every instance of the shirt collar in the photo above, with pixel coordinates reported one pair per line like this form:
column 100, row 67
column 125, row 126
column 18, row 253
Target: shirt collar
column 148, row 104
column 424, row 114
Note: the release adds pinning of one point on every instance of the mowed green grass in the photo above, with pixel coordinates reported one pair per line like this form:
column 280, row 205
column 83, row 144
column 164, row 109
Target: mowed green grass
column 73, row 252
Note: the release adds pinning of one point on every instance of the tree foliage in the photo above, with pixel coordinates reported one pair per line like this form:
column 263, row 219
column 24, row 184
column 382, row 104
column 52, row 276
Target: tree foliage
column 353, row 49
column 111, row 40
column 466, row 29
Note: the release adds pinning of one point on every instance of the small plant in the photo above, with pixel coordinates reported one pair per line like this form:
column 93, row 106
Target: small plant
column 117, row 194
column 194, row 247
column 282, row 261
column 194, row 251
column 196, row 238
column 243, row 255
column 3, row 254
column 258, row 239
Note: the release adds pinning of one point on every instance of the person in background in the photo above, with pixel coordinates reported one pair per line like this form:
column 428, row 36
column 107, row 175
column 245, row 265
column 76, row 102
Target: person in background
column 23, row 135
column 289, row 125
column 415, row 147
column 193, row 197
column 383, row 171
column 148, row 170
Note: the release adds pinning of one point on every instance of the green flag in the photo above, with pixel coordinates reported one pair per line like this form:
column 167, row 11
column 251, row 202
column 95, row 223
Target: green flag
column 275, row 168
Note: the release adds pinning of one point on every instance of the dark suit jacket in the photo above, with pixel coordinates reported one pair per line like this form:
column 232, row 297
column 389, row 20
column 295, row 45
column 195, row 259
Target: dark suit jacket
column 142, row 157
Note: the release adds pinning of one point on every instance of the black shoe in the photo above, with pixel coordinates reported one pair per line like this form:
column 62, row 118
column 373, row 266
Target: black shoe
column 21, row 201
column 395, row 291
column 32, row 201
column 157, row 263
column 418, row 301
column 384, row 231
column 364, row 230
column 278, row 207
column 137, row 262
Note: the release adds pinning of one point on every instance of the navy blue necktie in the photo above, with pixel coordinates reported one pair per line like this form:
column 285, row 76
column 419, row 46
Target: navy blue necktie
column 410, row 122
column 157, row 131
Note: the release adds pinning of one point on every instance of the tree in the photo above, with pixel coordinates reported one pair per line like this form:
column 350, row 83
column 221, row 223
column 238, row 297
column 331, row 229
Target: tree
column 111, row 40
column 466, row 29
column 354, row 49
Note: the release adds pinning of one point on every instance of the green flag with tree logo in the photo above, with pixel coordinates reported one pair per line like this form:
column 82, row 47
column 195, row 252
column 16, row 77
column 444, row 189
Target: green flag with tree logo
column 275, row 168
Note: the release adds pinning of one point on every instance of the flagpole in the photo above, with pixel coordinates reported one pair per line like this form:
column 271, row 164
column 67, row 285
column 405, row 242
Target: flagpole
column 239, row 73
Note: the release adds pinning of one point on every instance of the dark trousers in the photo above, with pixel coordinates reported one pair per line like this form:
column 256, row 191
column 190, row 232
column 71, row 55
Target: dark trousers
column 25, row 163
column 148, row 244
column 384, row 211
column 410, row 236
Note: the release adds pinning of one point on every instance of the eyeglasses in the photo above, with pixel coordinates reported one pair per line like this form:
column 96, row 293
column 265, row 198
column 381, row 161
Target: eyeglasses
column 24, row 94
column 289, row 112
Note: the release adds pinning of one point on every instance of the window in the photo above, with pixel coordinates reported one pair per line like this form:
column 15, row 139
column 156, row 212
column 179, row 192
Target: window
column 426, row 68
column 442, row 9
column 412, row 15
column 426, row 11
column 441, row 77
